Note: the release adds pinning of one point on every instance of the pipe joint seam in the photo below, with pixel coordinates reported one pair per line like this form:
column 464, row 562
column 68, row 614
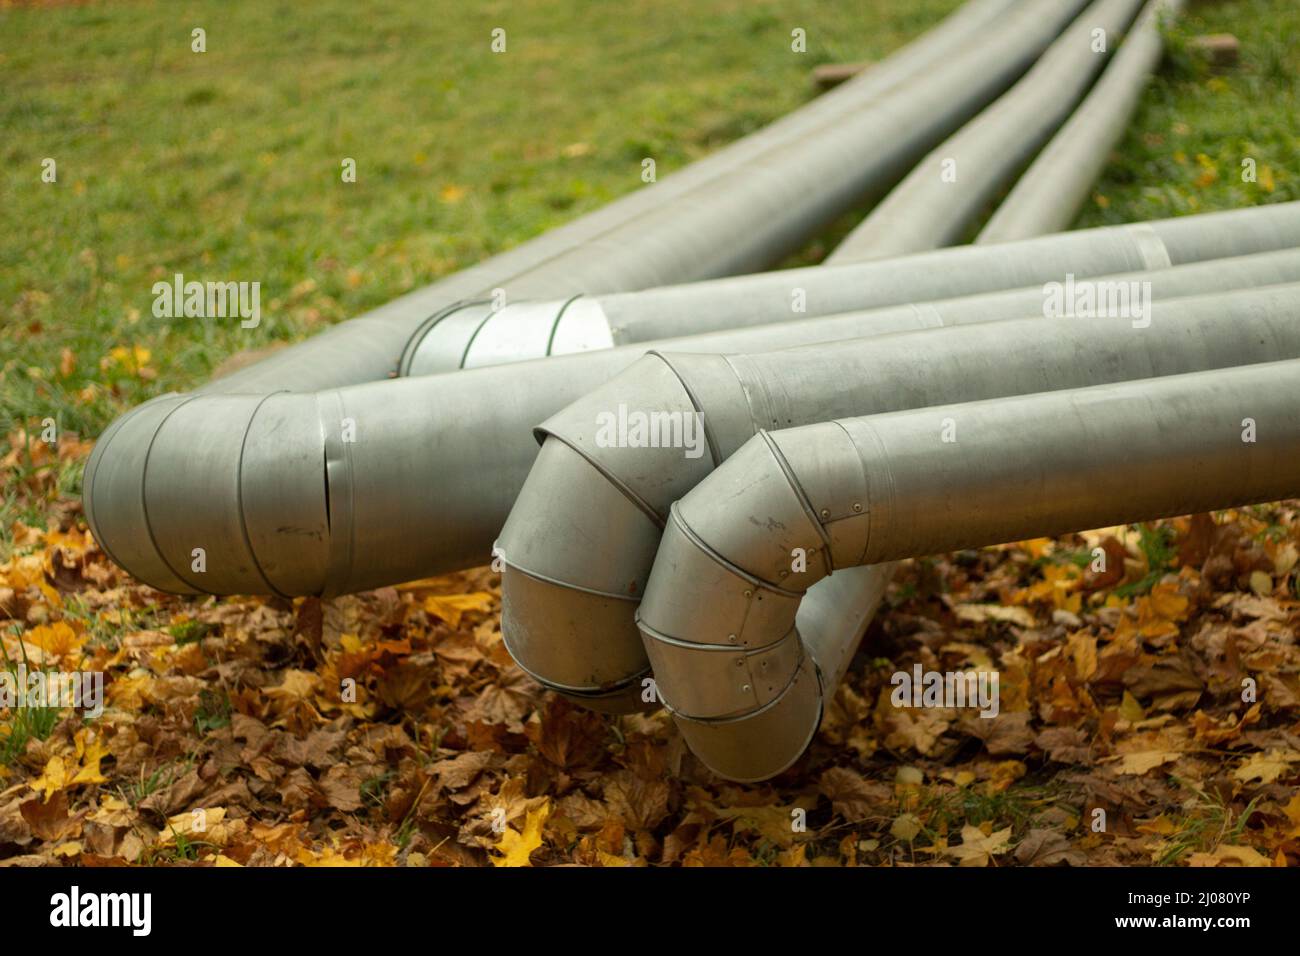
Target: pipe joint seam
column 709, row 681
column 442, row 341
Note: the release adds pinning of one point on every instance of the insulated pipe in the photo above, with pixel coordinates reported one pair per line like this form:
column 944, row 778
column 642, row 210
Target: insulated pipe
column 349, row 489
column 1054, row 188
column 963, row 175
column 463, row 338
column 580, row 541
column 720, row 608
column 737, row 211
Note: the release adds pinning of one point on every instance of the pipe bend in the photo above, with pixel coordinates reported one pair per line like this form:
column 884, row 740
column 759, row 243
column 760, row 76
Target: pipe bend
column 581, row 536
column 719, row 614
column 248, row 510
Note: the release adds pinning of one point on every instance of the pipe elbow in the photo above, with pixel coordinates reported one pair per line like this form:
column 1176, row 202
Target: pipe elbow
column 719, row 615
column 249, row 510
column 581, row 537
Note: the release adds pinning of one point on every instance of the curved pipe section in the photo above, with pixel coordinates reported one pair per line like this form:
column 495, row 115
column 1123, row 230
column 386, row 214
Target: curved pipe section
column 580, row 541
column 963, row 175
column 1051, row 191
column 720, row 610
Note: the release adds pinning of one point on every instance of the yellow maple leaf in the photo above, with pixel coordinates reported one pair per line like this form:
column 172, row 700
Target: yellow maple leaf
column 60, row 774
column 514, row 847
column 1161, row 826
column 1265, row 767
column 1292, row 811
column 451, row 607
column 57, row 640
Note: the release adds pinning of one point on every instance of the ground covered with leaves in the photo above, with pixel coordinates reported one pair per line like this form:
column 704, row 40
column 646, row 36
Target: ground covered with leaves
column 1149, row 714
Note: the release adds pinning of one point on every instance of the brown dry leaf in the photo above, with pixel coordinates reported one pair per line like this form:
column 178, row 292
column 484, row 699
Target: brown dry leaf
column 1064, row 744
column 1143, row 752
column 49, row 819
column 715, row 853
column 1042, row 847
column 918, row 729
column 566, row 735
column 854, row 798
column 641, row 804
column 341, row 788
column 1002, row 735
column 982, row 613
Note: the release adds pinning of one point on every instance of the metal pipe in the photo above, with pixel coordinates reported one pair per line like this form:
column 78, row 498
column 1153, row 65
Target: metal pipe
column 140, row 479
column 347, row 489
column 580, row 541
column 963, row 175
column 719, row 615
column 1052, row 190
column 737, row 211
column 464, row 338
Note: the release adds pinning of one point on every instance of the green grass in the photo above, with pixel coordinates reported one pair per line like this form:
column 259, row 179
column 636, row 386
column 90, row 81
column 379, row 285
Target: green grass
column 226, row 164
column 1184, row 149
column 21, row 724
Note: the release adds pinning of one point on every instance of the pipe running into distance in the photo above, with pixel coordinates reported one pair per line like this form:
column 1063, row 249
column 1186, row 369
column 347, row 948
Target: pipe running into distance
column 719, row 614
column 580, row 541
column 1054, row 188
column 963, row 175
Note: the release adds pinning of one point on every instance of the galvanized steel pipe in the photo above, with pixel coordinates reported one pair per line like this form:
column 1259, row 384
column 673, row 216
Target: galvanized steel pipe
column 580, row 541
column 472, row 335
column 719, row 614
column 627, row 243
column 347, row 489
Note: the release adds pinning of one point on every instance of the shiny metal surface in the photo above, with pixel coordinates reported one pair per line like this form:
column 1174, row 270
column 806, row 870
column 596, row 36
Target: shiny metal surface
column 821, row 491
column 444, row 456
column 587, row 544
column 769, row 298
column 1027, row 466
